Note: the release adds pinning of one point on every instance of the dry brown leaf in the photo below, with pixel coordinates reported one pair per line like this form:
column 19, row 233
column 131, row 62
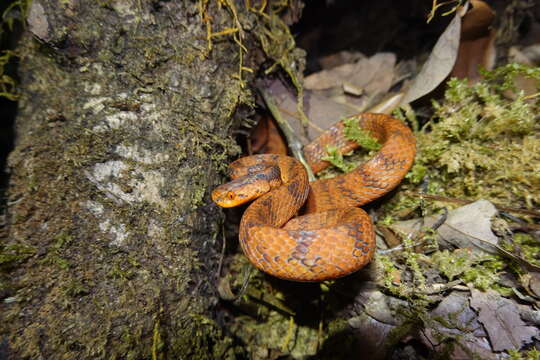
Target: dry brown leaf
column 534, row 283
column 526, row 84
column 340, row 58
column 501, row 320
column 376, row 321
column 373, row 74
column 371, row 335
column 439, row 64
column 463, row 227
column 462, row 322
column 321, row 111
column 477, row 20
column 323, row 107
column 477, row 44
column 532, row 53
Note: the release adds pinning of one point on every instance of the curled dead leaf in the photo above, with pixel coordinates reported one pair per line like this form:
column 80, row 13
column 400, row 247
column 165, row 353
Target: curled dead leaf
column 477, row 43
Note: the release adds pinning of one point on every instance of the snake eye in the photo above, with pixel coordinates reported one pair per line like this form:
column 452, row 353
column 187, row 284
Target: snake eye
column 230, row 195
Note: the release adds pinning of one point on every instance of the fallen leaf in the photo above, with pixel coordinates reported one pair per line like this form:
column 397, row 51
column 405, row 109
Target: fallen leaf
column 527, row 85
column 458, row 315
column 464, row 227
column 477, row 44
column 357, row 85
column 455, row 319
column 501, row 320
column 439, row 63
column 534, row 283
column 371, row 335
column 340, row 58
column 374, row 323
column 375, row 74
column 321, row 111
column 532, row 53
column 381, row 307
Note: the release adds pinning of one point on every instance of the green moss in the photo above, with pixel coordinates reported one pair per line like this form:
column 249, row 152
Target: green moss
column 61, row 240
column 279, row 45
column 532, row 354
column 482, row 273
column 16, row 11
column 335, row 157
column 387, row 221
column 452, row 264
column 481, row 144
column 354, row 132
column 12, row 254
column 504, row 76
column 75, row 288
column 417, row 173
column 8, row 86
column 390, row 271
column 526, row 246
column 485, row 274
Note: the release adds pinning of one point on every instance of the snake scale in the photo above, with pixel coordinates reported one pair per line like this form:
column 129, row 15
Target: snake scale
column 333, row 237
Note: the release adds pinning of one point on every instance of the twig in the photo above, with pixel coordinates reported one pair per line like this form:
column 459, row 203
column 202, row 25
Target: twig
column 294, row 144
column 465, row 202
column 433, row 227
column 498, row 248
column 247, row 276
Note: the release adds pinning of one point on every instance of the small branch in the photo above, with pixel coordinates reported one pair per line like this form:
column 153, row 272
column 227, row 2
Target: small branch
column 465, row 202
column 294, row 143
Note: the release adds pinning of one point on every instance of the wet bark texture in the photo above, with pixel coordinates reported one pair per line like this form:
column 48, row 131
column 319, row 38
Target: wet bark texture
column 122, row 128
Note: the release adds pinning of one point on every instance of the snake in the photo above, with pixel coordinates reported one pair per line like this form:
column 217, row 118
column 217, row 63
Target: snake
column 315, row 231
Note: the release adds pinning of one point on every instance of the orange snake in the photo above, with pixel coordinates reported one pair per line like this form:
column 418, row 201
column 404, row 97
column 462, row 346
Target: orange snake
column 334, row 237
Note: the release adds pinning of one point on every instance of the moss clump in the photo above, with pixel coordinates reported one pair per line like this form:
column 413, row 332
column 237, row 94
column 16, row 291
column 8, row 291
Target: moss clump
column 532, row 354
column 354, row 132
column 335, row 157
column 13, row 253
column 452, row 264
column 483, row 272
column 526, row 246
column 15, row 12
column 8, row 86
column 407, row 281
column 481, row 144
column 485, row 275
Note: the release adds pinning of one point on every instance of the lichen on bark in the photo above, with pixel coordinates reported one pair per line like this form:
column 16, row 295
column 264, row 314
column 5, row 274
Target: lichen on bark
column 123, row 126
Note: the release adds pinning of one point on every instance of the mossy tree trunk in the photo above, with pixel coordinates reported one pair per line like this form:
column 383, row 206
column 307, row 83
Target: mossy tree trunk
column 123, row 127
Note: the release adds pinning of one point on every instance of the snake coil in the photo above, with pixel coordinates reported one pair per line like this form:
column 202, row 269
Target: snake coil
column 333, row 237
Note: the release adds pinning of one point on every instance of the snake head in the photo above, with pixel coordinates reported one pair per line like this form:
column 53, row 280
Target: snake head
column 239, row 191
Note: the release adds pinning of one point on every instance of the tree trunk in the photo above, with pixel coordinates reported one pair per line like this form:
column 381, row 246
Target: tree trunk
column 123, row 127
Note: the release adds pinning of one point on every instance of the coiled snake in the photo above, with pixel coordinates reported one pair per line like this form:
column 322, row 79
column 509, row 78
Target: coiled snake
column 334, row 237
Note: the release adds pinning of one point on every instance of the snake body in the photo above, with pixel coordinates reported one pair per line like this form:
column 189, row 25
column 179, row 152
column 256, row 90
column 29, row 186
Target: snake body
column 333, row 237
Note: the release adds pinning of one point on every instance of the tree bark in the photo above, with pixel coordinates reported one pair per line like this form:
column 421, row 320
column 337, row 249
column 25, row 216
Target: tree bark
column 123, row 126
